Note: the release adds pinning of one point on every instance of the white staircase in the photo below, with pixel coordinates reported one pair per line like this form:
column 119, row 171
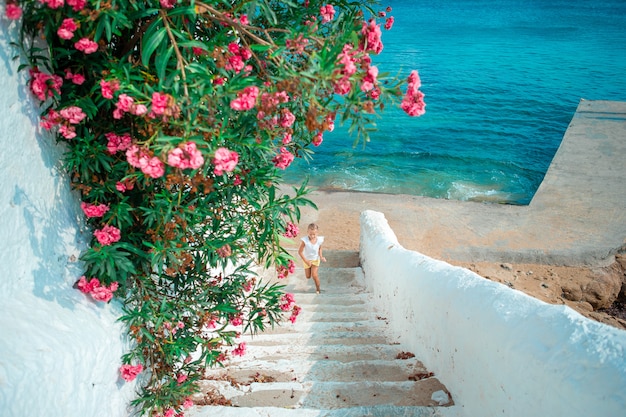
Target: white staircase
column 336, row 360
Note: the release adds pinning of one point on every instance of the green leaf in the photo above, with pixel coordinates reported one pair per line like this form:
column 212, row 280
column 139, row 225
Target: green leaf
column 153, row 38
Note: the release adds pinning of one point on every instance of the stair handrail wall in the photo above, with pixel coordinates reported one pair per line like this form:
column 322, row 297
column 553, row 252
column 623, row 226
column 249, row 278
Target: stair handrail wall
column 499, row 351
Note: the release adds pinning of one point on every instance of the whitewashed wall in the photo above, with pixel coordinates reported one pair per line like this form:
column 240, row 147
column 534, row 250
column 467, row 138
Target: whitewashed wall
column 59, row 351
column 499, row 351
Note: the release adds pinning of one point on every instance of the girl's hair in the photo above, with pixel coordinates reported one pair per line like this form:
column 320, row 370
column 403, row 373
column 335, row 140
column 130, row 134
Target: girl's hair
column 313, row 226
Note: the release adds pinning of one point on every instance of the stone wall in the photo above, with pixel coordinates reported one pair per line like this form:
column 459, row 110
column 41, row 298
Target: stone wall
column 59, row 351
column 499, row 351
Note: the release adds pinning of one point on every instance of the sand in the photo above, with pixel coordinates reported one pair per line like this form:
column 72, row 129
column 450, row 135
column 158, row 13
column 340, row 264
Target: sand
column 433, row 227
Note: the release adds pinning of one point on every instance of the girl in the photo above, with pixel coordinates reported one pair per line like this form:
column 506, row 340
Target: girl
column 311, row 253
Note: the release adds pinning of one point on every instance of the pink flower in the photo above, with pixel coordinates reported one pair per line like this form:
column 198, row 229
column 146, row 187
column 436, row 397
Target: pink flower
column 86, row 45
column 167, row 4
column 287, row 301
column 117, row 143
column 77, row 79
column 43, row 85
column 291, row 230
column 287, row 118
column 77, row 5
column 108, row 88
column 68, row 132
column 107, row 235
column 371, row 37
column 170, row 411
column 225, row 160
column 246, row 99
column 13, row 11
column 73, row 114
column 159, row 103
column 130, row 372
column 343, row 86
column 188, row 403
column 317, row 140
column 294, row 313
column 102, row 293
column 327, row 12
column 120, row 186
column 53, row 4
column 185, row 156
column 389, row 22
column 67, row 29
column 124, row 102
column 180, row 378
column 92, row 210
column 138, row 109
column 154, row 168
column 287, row 138
column 369, row 80
column 283, row 159
column 240, row 350
column 50, row 120
column 236, row 320
column 87, row 286
column 413, row 102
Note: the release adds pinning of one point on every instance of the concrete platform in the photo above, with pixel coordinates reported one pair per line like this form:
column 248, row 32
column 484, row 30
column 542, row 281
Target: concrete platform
column 577, row 217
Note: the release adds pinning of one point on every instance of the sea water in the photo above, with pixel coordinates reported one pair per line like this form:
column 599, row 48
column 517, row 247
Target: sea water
column 502, row 80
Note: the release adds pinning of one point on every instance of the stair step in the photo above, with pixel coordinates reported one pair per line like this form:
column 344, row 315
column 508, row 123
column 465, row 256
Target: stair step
column 305, row 370
column 331, row 395
column 342, row 353
column 366, row 411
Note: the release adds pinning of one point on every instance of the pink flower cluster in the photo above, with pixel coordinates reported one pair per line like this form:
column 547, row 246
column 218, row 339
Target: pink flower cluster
column 185, row 156
column 413, row 102
column 283, row 159
column 370, row 40
column 240, row 350
column 116, row 142
column 283, row 271
column 237, row 58
column 44, row 86
column 142, row 159
column 93, row 210
column 65, row 119
column 107, row 235
column 224, row 160
column 287, row 301
column 77, row 5
column 246, row 99
column 327, row 12
column 108, row 88
column 126, row 104
column 67, row 28
column 13, row 11
column 167, row 4
column 97, row 291
column 130, row 372
column 291, row 230
column 77, row 79
column 318, row 139
column 86, row 45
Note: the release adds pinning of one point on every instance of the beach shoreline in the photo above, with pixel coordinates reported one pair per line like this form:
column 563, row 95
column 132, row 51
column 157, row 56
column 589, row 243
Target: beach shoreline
column 432, row 226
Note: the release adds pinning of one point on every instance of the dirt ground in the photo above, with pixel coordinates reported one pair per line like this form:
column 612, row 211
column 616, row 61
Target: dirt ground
column 338, row 217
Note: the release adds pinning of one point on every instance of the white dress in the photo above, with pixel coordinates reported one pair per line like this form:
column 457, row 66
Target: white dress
column 312, row 250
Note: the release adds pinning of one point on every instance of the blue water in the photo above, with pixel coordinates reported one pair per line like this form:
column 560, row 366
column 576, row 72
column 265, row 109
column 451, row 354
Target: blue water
column 502, row 80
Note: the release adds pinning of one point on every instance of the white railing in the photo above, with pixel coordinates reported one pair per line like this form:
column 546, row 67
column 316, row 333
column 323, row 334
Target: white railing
column 499, row 351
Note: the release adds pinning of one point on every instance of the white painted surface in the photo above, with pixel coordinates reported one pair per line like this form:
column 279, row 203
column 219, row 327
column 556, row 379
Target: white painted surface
column 499, row 351
column 59, row 351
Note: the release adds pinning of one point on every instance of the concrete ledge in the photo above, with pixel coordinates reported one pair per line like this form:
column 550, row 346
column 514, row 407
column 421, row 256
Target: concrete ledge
column 499, row 351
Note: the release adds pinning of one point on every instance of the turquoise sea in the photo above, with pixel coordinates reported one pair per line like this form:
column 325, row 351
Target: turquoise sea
column 502, row 80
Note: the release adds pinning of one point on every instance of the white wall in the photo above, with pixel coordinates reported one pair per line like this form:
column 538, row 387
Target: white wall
column 499, row 351
column 59, row 351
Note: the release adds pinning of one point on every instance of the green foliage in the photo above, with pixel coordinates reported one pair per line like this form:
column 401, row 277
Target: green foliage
column 181, row 245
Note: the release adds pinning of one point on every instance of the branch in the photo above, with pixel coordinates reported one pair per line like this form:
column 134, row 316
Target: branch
column 179, row 56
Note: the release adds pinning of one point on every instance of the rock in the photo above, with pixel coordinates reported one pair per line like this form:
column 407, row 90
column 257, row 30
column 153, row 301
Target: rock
column 572, row 291
column 507, row 267
column 603, row 291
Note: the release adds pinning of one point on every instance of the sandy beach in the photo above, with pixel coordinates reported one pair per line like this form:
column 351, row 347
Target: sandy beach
column 442, row 228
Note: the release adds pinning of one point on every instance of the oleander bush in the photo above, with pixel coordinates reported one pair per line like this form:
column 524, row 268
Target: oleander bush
column 180, row 119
